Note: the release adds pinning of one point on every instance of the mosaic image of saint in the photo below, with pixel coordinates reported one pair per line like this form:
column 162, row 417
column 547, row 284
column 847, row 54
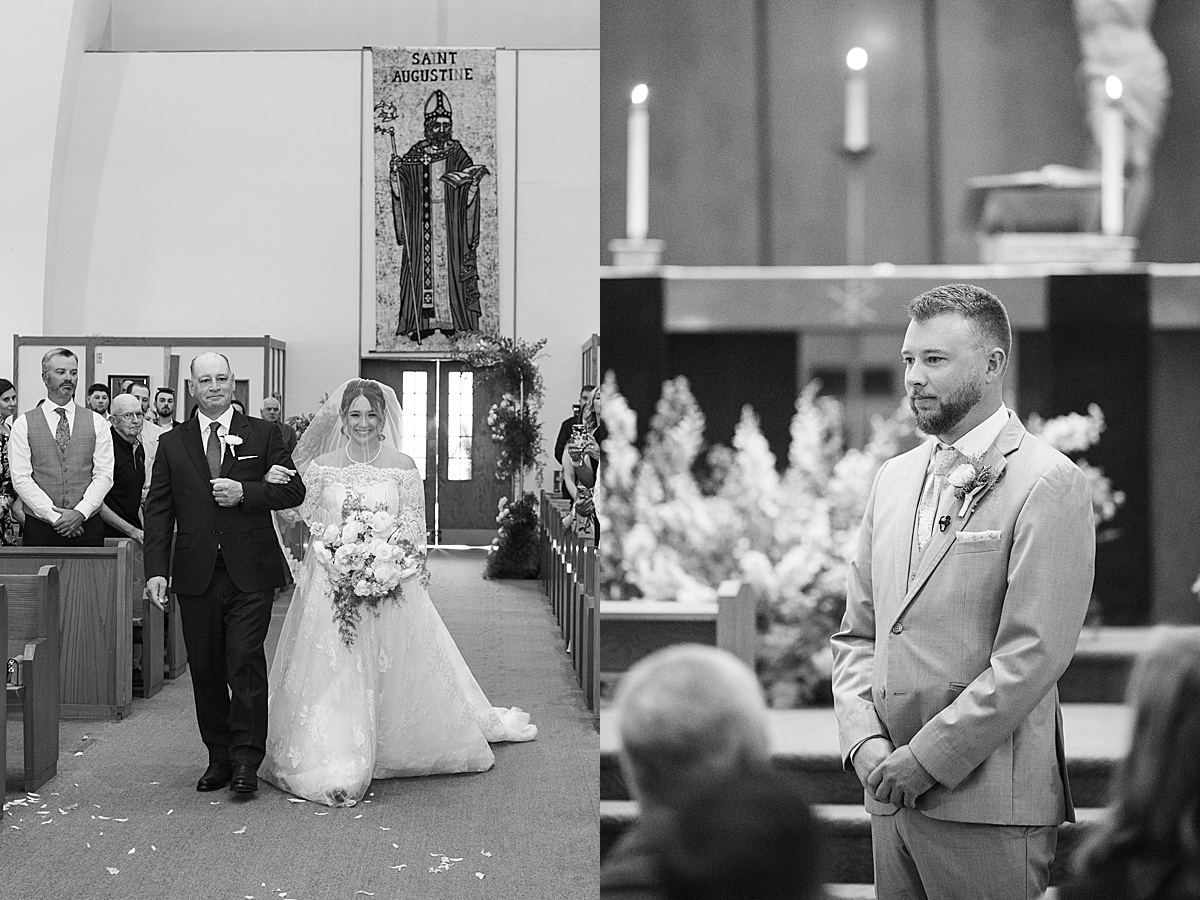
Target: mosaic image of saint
column 435, row 209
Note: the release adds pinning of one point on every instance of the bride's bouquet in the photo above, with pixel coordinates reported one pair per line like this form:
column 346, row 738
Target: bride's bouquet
column 367, row 561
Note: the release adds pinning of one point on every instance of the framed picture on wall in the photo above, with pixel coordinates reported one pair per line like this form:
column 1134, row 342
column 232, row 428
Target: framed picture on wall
column 119, row 384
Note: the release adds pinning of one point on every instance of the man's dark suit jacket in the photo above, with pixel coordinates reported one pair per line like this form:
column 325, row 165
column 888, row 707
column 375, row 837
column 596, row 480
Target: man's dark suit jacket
column 181, row 496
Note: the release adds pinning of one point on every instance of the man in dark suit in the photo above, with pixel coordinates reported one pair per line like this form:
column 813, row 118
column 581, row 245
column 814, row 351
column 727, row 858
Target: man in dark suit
column 208, row 482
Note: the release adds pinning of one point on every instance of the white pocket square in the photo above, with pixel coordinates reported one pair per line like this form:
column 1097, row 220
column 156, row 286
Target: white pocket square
column 977, row 537
column 255, row 456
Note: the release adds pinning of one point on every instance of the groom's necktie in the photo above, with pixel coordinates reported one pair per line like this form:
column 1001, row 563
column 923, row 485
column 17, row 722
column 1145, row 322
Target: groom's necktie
column 944, row 461
column 213, row 450
column 62, row 434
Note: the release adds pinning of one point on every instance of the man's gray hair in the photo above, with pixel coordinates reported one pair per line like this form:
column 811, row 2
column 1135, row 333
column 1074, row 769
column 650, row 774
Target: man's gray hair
column 687, row 715
column 57, row 351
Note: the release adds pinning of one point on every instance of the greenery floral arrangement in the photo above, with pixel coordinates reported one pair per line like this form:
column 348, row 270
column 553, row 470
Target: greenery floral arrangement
column 301, row 422
column 511, row 365
column 668, row 535
column 514, row 551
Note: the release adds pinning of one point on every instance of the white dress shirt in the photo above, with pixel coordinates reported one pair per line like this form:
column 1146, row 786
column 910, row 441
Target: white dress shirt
column 36, row 500
column 225, row 419
column 977, row 441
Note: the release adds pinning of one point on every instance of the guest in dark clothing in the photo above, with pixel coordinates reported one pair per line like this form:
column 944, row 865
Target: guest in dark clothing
column 750, row 837
column 10, row 529
column 581, row 467
column 122, row 507
column 1149, row 843
column 564, row 430
column 687, row 717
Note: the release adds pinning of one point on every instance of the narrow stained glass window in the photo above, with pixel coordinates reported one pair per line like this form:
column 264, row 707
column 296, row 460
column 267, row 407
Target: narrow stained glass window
column 460, row 425
column 414, row 425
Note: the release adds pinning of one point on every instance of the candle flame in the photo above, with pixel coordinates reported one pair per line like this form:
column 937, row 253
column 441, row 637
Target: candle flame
column 856, row 59
column 640, row 93
column 1112, row 87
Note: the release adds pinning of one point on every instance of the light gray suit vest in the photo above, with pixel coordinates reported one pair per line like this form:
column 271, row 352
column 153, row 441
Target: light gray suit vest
column 63, row 476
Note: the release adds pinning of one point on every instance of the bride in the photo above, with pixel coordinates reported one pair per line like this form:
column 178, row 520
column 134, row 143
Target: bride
column 360, row 692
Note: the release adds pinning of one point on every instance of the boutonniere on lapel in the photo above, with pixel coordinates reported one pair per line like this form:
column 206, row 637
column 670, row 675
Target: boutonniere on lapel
column 231, row 441
column 969, row 480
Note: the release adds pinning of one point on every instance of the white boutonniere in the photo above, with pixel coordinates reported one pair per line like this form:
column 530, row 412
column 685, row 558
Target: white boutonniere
column 969, row 480
column 232, row 440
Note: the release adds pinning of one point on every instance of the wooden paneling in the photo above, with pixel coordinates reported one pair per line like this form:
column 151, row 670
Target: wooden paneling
column 95, row 624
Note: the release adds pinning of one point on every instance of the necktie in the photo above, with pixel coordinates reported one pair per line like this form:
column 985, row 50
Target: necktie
column 943, row 462
column 213, row 450
column 62, row 434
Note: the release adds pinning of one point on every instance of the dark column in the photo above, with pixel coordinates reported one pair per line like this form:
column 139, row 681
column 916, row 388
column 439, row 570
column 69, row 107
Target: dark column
column 729, row 371
column 1099, row 352
column 633, row 346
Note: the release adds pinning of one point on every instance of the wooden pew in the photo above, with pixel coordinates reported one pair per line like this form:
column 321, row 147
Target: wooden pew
column 32, row 634
column 4, row 705
column 176, row 652
column 633, row 629
column 95, row 624
column 148, row 623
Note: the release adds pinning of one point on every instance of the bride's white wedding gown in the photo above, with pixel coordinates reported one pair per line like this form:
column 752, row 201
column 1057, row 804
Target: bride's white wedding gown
column 399, row 702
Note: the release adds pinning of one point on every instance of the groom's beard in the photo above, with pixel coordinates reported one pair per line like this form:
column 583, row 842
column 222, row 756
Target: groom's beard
column 949, row 411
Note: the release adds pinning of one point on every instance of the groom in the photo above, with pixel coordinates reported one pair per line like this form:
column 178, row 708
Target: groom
column 208, row 483
column 962, row 611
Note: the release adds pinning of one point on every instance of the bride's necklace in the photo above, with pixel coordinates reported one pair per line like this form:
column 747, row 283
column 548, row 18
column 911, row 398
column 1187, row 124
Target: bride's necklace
column 365, row 462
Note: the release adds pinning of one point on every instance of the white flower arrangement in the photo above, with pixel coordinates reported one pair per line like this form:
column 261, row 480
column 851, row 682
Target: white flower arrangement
column 666, row 534
column 367, row 561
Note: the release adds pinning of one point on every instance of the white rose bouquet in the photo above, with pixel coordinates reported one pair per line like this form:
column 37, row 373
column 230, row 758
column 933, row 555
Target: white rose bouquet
column 367, row 561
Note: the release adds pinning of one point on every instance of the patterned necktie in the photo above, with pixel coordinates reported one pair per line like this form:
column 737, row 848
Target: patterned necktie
column 213, row 450
column 62, row 434
column 943, row 463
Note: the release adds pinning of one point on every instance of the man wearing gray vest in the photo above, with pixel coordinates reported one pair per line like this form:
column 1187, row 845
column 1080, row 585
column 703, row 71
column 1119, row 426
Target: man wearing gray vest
column 62, row 462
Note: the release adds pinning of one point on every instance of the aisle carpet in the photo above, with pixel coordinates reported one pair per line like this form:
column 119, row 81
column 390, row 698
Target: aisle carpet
column 123, row 818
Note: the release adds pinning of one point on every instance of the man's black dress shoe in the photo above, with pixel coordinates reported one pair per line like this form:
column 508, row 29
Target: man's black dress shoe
column 244, row 780
column 216, row 776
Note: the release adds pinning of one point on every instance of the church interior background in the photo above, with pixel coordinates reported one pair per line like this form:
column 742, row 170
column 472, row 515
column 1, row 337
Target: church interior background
column 788, row 245
column 201, row 175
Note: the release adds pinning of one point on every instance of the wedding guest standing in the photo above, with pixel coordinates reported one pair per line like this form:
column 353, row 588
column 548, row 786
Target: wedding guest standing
column 98, row 399
column 62, row 462
column 273, row 412
column 122, row 508
column 164, row 408
column 964, row 604
column 564, row 430
column 581, row 465
column 1148, row 844
column 10, row 530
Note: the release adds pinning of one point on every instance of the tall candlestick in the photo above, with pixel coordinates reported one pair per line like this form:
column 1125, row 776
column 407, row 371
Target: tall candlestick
column 637, row 173
column 855, row 137
column 1112, row 160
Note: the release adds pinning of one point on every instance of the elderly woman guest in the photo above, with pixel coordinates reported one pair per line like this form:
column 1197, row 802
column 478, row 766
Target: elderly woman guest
column 1149, row 843
column 10, row 531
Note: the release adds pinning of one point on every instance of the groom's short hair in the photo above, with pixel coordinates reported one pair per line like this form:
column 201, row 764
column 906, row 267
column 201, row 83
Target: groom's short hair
column 688, row 715
column 981, row 307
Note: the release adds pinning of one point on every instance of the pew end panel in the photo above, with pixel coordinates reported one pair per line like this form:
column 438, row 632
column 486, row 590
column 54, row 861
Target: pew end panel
column 32, row 636
column 95, row 630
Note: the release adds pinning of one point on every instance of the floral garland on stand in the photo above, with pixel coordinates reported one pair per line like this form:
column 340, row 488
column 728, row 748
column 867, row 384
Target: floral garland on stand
column 666, row 535
column 511, row 365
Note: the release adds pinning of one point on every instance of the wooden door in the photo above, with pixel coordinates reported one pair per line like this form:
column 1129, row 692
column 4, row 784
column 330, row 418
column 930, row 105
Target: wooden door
column 445, row 430
column 468, row 492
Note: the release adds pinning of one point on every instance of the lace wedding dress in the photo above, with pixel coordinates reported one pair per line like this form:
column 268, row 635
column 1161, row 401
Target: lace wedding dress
column 400, row 701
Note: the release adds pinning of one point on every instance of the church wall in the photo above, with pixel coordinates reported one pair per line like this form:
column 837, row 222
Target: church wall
column 351, row 24
column 217, row 194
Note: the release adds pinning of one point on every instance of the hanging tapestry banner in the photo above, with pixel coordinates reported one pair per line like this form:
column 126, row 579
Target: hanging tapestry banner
column 436, row 245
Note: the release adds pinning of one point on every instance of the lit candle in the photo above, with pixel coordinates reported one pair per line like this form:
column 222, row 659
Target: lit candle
column 855, row 137
column 1112, row 160
column 637, row 172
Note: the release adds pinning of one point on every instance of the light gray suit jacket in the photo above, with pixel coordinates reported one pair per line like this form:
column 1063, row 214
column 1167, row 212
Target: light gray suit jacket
column 963, row 663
